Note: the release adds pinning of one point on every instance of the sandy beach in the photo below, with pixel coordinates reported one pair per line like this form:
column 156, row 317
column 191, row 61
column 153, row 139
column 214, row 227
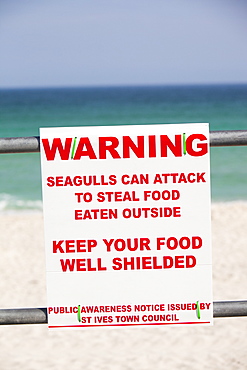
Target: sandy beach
column 22, row 284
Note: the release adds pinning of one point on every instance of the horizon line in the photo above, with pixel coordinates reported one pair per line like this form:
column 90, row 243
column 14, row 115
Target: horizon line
column 40, row 87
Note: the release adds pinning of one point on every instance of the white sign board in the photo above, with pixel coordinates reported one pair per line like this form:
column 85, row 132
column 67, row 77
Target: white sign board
column 127, row 225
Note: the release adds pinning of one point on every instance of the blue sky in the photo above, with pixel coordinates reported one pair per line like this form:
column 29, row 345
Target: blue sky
column 122, row 42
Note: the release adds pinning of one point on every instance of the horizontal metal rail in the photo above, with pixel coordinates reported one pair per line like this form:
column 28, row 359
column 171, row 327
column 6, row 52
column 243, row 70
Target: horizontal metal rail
column 18, row 316
column 32, row 144
column 39, row 315
column 20, row 144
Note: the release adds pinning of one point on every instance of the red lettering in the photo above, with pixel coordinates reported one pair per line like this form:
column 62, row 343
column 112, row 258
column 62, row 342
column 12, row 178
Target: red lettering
column 179, row 261
column 137, row 149
column 57, row 145
column 57, row 246
column 203, row 147
column 195, row 145
column 200, row 177
column 190, row 261
column 88, row 152
column 67, row 264
column 152, row 146
column 165, row 143
column 50, row 181
column 110, row 147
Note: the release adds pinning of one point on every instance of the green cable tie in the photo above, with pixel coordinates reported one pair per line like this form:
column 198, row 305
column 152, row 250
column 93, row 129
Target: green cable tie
column 79, row 313
column 184, row 143
column 198, row 312
column 73, row 148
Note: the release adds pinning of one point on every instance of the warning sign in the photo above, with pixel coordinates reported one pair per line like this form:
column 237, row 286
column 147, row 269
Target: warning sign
column 127, row 225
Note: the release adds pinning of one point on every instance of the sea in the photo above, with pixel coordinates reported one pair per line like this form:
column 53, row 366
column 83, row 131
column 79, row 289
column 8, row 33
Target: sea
column 24, row 111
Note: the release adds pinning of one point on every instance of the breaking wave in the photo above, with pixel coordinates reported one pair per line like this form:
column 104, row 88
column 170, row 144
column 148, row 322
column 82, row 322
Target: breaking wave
column 10, row 203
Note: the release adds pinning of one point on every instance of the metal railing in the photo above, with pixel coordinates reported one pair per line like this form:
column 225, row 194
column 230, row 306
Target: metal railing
column 39, row 315
column 32, row 144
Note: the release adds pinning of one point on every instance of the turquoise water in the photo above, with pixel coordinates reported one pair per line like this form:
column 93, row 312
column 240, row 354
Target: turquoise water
column 23, row 112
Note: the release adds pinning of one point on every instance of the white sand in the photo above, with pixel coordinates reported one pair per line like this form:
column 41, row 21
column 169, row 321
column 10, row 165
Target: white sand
column 22, row 284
